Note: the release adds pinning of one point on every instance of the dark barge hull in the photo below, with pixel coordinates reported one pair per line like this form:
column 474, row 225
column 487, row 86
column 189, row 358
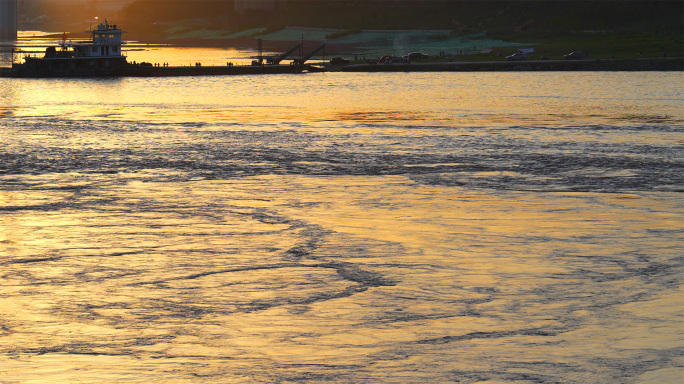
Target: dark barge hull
column 65, row 67
column 40, row 68
column 146, row 71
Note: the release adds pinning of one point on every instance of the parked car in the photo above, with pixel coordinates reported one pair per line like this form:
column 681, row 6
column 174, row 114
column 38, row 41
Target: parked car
column 417, row 56
column 385, row 60
column 516, row 57
column 339, row 61
column 577, row 55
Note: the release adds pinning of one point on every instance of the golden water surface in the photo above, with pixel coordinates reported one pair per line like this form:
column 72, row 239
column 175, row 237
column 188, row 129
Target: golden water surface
column 367, row 228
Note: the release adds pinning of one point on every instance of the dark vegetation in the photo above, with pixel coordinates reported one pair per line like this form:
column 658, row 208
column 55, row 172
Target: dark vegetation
column 537, row 17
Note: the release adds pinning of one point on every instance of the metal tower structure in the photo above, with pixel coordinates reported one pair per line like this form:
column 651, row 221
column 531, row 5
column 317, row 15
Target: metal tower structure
column 8, row 19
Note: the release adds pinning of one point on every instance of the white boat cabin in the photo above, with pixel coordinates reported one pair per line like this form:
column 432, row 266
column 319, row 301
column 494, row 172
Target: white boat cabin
column 106, row 42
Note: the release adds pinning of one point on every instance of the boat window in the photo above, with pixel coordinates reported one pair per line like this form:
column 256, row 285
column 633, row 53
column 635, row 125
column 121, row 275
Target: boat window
column 111, row 36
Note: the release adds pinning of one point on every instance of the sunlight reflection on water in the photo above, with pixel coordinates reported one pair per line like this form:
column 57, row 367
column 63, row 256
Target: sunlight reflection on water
column 396, row 228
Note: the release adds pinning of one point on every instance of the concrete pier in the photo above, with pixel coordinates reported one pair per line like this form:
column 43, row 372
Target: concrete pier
column 8, row 19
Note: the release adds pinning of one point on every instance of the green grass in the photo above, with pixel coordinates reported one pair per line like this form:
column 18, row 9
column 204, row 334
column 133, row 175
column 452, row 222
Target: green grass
column 343, row 33
column 617, row 46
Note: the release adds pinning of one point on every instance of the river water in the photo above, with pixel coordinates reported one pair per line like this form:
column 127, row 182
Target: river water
column 343, row 228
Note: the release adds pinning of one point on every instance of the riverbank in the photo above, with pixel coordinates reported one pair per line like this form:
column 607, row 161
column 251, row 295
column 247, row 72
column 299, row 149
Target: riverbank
column 654, row 65
column 650, row 64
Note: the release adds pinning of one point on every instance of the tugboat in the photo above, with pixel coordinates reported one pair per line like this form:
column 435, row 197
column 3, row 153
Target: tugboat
column 100, row 56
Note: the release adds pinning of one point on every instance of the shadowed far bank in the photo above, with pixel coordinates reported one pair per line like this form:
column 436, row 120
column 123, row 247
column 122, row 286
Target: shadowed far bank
column 661, row 64
column 620, row 29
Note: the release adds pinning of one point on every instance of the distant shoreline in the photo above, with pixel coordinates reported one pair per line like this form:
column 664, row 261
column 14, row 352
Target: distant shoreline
column 648, row 64
column 493, row 65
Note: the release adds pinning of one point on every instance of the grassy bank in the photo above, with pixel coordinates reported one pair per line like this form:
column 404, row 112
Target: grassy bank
column 601, row 45
column 661, row 64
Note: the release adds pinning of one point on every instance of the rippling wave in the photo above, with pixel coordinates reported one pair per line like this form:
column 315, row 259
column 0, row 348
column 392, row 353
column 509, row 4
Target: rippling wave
column 595, row 158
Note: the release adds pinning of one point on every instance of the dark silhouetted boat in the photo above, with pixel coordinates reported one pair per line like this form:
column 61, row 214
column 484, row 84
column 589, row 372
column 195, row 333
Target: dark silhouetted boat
column 102, row 56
